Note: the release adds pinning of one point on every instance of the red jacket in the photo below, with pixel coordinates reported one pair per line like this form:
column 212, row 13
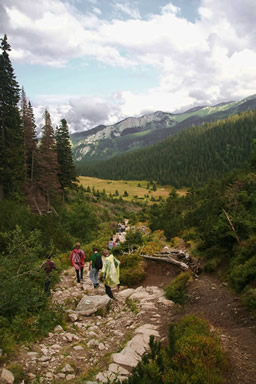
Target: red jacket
column 80, row 263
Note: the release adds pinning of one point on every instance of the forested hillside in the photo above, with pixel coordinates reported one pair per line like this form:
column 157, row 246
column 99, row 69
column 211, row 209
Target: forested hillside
column 104, row 142
column 189, row 158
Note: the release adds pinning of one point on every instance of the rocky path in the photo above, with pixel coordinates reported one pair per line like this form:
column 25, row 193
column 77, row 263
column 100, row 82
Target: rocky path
column 106, row 344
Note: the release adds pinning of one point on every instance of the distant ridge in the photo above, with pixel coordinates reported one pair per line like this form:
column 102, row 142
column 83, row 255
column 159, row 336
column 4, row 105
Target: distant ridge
column 189, row 158
column 104, row 142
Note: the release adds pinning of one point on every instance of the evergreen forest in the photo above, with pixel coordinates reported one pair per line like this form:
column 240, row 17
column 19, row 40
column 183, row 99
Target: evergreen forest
column 44, row 211
column 190, row 158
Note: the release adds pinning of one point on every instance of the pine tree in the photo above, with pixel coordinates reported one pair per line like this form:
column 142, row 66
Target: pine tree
column 12, row 171
column 48, row 162
column 67, row 171
column 30, row 138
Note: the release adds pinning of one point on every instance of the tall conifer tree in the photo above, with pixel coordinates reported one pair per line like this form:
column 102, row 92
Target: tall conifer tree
column 67, row 172
column 49, row 167
column 30, row 138
column 12, row 171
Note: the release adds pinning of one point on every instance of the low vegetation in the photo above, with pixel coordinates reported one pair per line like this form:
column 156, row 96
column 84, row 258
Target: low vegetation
column 176, row 290
column 128, row 189
column 193, row 355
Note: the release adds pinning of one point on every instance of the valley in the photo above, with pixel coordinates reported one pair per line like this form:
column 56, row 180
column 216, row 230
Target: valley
column 138, row 190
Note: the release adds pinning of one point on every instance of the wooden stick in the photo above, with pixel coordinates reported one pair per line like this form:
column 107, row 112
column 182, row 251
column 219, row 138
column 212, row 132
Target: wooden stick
column 232, row 226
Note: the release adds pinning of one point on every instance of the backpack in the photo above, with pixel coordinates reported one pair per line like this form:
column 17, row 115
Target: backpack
column 76, row 258
column 98, row 262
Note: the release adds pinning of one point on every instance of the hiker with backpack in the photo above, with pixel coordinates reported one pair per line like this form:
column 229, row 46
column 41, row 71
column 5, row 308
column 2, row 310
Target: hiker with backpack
column 111, row 272
column 111, row 244
column 77, row 257
column 94, row 266
column 48, row 266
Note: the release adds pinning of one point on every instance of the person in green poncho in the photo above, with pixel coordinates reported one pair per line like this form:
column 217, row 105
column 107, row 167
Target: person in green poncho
column 111, row 272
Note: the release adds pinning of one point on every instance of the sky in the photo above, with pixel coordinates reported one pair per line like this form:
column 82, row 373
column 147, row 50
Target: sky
column 99, row 61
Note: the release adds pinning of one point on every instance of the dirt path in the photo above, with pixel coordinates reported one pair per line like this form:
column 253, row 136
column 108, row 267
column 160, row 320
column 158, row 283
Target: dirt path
column 208, row 298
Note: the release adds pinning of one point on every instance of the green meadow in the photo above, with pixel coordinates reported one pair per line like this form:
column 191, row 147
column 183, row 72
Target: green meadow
column 141, row 189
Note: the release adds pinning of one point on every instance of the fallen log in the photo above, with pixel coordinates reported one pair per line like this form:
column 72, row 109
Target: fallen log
column 168, row 259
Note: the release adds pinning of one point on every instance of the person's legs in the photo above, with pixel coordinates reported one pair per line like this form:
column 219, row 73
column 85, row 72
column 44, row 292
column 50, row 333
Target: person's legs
column 47, row 286
column 94, row 276
column 77, row 276
column 82, row 273
column 109, row 291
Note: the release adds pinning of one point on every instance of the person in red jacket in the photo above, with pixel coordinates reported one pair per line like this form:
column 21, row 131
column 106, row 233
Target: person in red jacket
column 77, row 257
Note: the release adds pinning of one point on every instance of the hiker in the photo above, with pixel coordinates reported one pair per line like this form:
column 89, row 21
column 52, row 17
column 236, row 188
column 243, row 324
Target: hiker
column 111, row 244
column 77, row 257
column 48, row 266
column 123, row 227
column 119, row 227
column 111, row 272
column 94, row 266
column 117, row 241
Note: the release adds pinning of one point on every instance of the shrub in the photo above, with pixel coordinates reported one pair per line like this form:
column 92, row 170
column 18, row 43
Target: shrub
column 176, row 290
column 193, row 356
column 249, row 300
column 243, row 274
column 131, row 270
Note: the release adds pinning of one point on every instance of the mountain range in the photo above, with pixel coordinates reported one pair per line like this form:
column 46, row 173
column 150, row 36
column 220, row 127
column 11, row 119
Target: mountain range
column 103, row 142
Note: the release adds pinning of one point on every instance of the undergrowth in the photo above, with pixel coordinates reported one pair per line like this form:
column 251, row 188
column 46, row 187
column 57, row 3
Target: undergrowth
column 193, row 356
column 176, row 290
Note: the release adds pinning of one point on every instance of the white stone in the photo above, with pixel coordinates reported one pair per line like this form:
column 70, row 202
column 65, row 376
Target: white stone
column 92, row 334
column 72, row 317
column 32, row 354
column 78, row 348
column 118, row 333
column 125, row 293
column 69, row 336
column 126, row 357
column 58, row 328
column 101, row 378
column 61, row 375
column 56, row 346
column 115, row 368
column 146, row 327
column 91, row 304
column 45, row 358
column 7, row 376
column 93, row 343
column 101, row 346
column 67, row 368
column 70, row 377
column 168, row 303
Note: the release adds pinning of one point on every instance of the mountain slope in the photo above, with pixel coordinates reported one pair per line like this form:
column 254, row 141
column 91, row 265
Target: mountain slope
column 189, row 158
column 104, row 142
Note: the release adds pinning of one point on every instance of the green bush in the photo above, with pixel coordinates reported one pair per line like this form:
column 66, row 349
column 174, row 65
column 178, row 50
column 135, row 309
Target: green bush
column 131, row 269
column 176, row 290
column 249, row 300
column 242, row 275
column 193, row 356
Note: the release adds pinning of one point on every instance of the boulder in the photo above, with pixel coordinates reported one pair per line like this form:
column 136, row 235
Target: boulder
column 91, row 304
column 7, row 376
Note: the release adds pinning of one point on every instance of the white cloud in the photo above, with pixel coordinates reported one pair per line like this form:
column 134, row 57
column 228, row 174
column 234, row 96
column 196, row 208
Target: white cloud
column 127, row 9
column 97, row 11
column 211, row 60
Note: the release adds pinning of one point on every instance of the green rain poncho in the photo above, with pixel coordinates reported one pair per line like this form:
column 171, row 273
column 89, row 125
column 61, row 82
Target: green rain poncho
column 111, row 271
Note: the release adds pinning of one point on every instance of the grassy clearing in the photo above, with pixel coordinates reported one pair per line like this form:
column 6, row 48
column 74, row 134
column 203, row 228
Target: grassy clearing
column 132, row 187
